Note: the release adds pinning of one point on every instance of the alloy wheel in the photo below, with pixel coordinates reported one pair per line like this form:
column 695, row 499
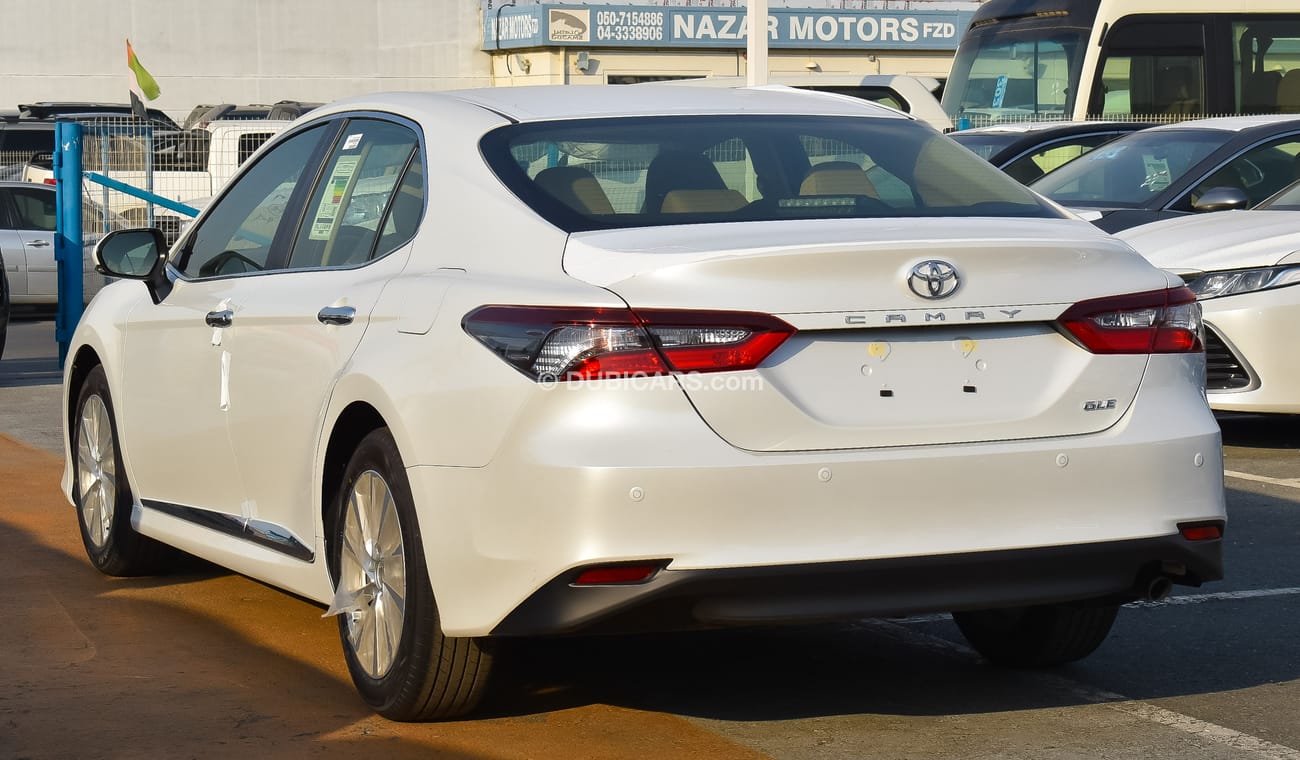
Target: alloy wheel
column 96, row 471
column 372, row 572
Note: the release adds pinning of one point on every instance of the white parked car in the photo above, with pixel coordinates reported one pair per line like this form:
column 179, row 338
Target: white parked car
column 471, row 366
column 1242, row 266
column 27, row 228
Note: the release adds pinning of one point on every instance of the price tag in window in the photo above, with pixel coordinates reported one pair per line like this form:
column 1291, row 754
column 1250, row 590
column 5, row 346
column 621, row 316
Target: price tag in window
column 332, row 200
column 1157, row 170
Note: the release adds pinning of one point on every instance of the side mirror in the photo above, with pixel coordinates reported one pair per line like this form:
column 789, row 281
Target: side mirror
column 1221, row 199
column 136, row 254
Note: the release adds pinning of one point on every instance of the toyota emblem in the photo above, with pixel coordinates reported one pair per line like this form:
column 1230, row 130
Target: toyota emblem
column 933, row 279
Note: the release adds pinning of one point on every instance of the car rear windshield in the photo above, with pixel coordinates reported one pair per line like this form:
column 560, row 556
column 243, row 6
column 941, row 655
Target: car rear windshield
column 654, row 171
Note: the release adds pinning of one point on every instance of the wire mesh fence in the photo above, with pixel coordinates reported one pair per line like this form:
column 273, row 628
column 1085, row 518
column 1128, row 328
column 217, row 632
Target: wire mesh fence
column 186, row 166
column 975, row 120
column 168, row 164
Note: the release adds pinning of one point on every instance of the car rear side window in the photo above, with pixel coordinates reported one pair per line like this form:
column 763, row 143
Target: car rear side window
column 36, row 207
column 348, row 211
column 654, row 171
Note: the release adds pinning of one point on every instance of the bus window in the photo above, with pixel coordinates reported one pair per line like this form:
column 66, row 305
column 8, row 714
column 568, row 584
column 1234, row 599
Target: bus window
column 1265, row 52
column 1152, row 67
column 1151, row 85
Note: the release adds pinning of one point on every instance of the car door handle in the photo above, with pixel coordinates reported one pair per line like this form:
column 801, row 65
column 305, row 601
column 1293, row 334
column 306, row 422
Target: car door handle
column 336, row 315
column 38, row 244
column 221, row 318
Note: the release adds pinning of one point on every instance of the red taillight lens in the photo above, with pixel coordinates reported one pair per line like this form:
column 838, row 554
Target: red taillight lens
column 616, row 574
column 1155, row 322
column 1208, row 531
column 561, row 343
column 50, row 181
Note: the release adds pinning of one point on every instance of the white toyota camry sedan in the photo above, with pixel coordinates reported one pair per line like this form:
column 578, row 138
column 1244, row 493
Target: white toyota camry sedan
column 471, row 366
column 1243, row 265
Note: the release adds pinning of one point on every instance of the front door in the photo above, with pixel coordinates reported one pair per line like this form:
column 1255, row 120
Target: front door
column 178, row 359
column 174, row 397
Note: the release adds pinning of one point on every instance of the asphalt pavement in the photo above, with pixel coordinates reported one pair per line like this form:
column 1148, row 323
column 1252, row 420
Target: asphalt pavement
column 209, row 664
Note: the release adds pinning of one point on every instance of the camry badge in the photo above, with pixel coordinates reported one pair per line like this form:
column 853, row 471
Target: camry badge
column 933, row 279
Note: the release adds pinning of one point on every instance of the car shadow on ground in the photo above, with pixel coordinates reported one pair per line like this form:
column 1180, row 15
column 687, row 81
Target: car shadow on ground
column 879, row 667
column 1263, row 431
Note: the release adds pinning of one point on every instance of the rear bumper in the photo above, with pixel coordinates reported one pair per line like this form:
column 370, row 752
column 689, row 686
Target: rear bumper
column 596, row 475
column 679, row 599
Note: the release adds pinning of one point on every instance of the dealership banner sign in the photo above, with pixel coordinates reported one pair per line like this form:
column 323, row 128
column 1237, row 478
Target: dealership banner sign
column 507, row 27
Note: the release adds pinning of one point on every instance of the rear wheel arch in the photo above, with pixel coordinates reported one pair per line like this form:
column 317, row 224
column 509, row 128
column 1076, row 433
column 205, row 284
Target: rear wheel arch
column 353, row 424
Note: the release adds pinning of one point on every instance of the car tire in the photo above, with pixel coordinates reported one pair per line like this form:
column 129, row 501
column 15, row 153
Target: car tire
column 1039, row 636
column 400, row 661
column 100, row 490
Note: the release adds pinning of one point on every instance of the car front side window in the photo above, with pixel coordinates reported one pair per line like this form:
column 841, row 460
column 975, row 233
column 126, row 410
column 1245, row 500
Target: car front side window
column 236, row 236
column 1258, row 172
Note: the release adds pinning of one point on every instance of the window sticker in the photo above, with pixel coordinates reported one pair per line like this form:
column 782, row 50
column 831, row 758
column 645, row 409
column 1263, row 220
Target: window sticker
column 332, row 200
column 1157, row 170
column 353, row 141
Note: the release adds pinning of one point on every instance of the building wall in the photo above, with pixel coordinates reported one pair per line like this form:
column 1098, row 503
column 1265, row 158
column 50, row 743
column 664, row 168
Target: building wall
column 261, row 51
column 239, row 51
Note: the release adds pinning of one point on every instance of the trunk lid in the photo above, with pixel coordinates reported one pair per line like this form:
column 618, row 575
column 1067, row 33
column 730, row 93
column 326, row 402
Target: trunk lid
column 873, row 363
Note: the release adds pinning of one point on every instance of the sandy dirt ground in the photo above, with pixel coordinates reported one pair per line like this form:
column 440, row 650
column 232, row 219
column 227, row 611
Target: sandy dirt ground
column 210, row 664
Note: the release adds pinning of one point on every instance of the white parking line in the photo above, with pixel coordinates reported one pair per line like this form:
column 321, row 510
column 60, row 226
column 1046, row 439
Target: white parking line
column 1169, row 601
column 1222, row 596
column 1201, row 729
column 1287, row 482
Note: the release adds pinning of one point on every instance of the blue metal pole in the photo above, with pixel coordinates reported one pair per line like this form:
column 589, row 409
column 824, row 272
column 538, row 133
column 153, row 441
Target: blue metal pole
column 68, row 237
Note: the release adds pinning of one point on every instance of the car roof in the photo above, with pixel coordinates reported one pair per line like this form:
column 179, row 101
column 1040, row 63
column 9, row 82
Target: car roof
column 81, row 110
column 1233, row 123
column 806, row 78
column 1032, row 127
column 552, row 102
column 11, row 124
column 19, row 183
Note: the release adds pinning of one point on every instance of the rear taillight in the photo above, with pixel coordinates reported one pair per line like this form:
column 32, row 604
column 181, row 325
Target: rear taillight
column 1155, row 322
column 561, row 343
column 50, row 181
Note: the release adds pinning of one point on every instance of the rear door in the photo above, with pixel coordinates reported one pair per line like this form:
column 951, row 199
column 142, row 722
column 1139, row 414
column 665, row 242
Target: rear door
column 12, row 249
